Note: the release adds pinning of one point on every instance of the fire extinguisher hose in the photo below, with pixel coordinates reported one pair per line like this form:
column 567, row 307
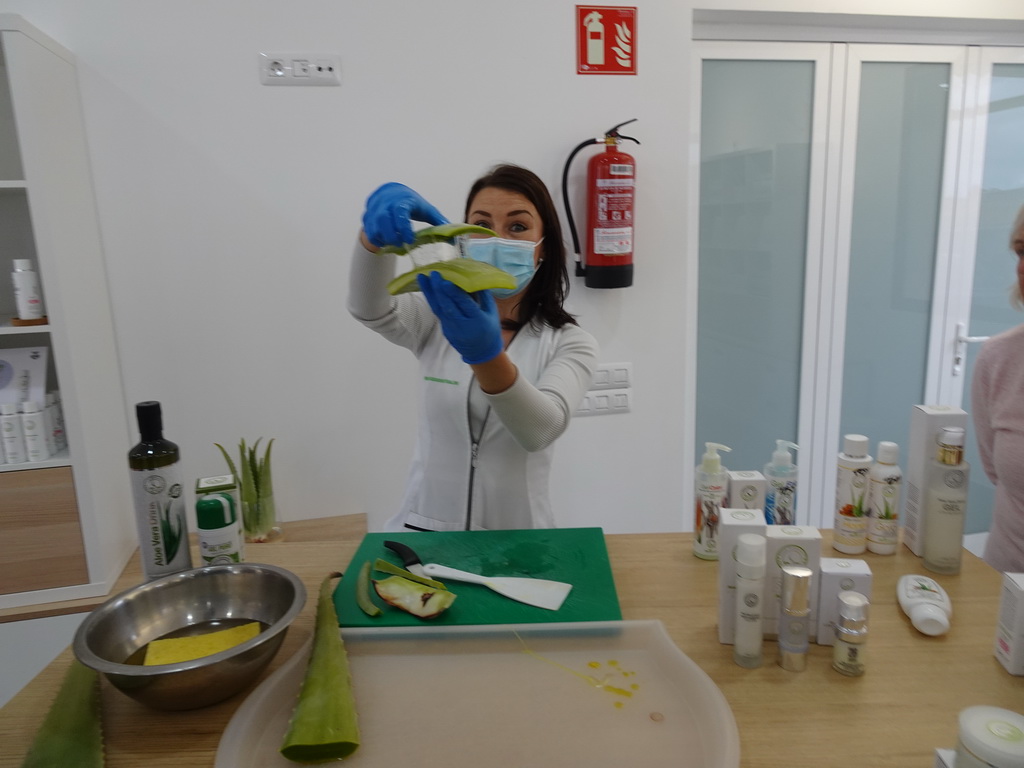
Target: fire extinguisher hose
column 565, row 201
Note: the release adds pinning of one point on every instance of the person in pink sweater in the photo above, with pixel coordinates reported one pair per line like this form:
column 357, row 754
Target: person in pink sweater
column 997, row 404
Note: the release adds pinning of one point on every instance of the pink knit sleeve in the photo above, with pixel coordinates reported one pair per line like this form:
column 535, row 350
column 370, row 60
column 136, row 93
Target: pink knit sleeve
column 981, row 414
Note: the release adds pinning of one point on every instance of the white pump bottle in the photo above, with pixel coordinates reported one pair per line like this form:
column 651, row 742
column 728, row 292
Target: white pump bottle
column 780, row 493
column 712, row 486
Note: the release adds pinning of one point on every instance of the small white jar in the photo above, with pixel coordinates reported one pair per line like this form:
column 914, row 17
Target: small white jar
column 990, row 737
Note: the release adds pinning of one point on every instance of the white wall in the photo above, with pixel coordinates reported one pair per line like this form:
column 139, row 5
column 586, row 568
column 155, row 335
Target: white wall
column 228, row 210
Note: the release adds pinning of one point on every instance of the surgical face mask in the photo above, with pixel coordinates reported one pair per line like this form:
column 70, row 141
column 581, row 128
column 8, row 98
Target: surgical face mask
column 513, row 256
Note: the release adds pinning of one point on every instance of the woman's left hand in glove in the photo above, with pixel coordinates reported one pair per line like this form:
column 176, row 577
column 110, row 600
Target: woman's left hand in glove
column 469, row 322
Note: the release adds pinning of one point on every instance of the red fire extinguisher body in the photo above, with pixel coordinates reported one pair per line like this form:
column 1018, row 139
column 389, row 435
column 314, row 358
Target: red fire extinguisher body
column 611, row 190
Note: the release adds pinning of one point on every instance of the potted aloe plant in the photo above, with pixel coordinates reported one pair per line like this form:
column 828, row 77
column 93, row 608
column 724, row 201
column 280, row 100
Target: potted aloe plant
column 256, row 490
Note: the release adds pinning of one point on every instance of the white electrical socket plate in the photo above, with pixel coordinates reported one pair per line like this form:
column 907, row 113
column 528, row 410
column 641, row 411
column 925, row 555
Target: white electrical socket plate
column 299, row 68
column 612, row 376
column 605, row 401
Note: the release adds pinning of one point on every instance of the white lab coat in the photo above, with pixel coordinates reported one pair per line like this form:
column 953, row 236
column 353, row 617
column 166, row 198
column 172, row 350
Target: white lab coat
column 511, row 433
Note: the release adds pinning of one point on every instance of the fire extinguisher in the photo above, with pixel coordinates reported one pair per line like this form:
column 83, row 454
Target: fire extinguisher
column 611, row 192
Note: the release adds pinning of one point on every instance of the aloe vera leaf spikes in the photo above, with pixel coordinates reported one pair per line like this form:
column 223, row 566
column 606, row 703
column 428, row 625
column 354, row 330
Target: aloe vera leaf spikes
column 71, row 735
column 324, row 725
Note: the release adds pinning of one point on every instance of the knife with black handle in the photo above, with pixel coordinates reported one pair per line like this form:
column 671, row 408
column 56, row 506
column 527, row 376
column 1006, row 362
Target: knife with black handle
column 409, row 558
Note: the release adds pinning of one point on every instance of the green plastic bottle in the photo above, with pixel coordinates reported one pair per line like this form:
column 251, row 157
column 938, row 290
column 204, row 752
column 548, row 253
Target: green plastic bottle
column 220, row 535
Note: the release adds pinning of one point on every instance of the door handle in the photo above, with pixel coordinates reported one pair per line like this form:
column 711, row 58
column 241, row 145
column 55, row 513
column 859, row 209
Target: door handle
column 960, row 347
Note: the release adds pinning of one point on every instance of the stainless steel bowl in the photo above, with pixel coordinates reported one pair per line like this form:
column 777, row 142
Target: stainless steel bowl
column 112, row 637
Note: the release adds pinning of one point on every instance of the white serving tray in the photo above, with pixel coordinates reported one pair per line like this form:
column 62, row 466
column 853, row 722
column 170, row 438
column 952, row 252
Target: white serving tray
column 510, row 696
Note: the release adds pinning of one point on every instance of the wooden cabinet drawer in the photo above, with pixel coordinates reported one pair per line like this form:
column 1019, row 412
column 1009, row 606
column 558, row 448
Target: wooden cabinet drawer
column 41, row 543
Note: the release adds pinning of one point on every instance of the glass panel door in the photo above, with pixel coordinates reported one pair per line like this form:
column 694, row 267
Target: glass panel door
column 1001, row 196
column 815, row 312
column 761, row 143
column 906, row 101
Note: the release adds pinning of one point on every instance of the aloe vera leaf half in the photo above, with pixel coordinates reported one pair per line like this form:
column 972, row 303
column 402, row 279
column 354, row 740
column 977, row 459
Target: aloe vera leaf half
column 471, row 276
column 363, row 590
column 71, row 735
column 418, row 599
column 324, row 725
column 438, row 234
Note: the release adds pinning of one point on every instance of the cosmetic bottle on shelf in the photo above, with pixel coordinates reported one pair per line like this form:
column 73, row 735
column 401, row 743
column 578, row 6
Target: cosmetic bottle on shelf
column 794, row 617
column 851, row 522
column 712, row 487
column 13, row 436
column 750, row 568
column 851, row 634
column 28, row 297
column 159, row 497
column 780, row 494
column 945, row 504
column 886, row 481
column 33, row 426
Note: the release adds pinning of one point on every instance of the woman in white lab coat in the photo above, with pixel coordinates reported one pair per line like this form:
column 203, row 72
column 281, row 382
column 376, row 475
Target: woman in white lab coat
column 501, row 372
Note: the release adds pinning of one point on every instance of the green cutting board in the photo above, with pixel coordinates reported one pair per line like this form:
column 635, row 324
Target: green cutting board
column 574, row 555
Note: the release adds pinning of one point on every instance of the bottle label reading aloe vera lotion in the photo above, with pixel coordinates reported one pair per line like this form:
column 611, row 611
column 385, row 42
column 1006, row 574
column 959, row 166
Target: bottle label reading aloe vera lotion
column 158, row 496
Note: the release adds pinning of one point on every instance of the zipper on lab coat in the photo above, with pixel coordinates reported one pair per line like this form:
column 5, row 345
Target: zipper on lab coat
column 475, row 441
column 474, row 453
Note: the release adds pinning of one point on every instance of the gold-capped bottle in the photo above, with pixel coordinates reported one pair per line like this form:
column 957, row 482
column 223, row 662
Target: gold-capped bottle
column 945, row 504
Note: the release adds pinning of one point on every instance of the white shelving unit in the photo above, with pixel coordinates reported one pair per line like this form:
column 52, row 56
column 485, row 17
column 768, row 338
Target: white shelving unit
column 66, row 528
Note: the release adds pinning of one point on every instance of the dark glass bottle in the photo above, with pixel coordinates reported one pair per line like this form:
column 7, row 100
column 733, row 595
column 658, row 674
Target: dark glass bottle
column 158, row 494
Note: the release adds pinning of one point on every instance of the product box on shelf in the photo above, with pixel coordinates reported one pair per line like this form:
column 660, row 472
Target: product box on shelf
column 747, row 490
column 790, row 545
column 926, row 421
column 23, row 375
column 731, row 524
column 1009, row 645
column 838, row 574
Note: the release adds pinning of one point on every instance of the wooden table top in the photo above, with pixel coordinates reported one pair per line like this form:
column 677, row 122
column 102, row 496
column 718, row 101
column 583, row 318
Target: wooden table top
column 895, row 715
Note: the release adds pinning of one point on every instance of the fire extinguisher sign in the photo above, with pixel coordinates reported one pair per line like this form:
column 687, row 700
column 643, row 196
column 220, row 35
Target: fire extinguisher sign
column 605, row 40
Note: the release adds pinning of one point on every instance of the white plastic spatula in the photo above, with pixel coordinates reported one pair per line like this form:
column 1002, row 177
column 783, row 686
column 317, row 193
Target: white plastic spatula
column 541, row 593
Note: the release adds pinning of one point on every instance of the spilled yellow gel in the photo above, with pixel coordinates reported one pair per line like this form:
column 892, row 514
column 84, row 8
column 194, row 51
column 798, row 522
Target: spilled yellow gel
column 602, row 684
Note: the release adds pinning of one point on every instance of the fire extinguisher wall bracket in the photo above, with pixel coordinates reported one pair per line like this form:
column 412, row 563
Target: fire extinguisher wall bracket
column 611, row 193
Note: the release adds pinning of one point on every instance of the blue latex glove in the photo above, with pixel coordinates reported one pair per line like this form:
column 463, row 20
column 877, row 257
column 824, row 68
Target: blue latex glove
column 469, row 322
column 390, row 211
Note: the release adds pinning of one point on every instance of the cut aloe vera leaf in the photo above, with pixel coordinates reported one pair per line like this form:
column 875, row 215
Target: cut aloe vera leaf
column 442, row 233
column 363, row 590
column 324, row 725
column 417, row 599
column 71, row 734
column 471, row 276
column 383, row 565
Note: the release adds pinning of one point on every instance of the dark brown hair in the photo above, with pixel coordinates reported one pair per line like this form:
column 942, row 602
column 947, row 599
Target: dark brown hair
column 541, row 301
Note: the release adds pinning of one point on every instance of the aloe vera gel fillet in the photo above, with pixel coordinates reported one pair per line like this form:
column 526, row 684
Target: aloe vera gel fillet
column 158, row 497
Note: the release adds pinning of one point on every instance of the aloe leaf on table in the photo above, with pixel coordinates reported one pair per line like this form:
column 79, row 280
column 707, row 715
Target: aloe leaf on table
column 71, row 735
column 324, row 725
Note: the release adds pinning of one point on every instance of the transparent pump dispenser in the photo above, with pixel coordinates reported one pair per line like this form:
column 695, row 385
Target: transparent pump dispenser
column 780, row 493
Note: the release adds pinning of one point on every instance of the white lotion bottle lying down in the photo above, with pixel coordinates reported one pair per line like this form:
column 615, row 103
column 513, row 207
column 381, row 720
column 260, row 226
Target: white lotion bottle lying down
column 925, row 602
